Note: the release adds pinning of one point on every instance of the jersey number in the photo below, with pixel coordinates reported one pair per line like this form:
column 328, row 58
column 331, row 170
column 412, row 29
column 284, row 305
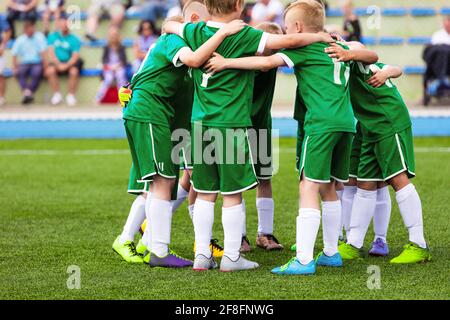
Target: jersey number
column 338, row 70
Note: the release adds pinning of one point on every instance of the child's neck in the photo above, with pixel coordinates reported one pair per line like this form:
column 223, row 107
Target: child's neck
column 224, row 18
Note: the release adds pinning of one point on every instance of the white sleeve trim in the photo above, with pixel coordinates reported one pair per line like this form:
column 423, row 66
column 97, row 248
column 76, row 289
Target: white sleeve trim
column 262, row 43
column 181, row 31
column 287, row 60
column 176, row 59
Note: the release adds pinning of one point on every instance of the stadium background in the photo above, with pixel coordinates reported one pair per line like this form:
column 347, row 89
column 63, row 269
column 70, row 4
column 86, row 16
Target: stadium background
column 63, row 201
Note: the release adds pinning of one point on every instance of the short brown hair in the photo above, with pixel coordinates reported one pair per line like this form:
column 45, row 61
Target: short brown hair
column 309, row 12
column 220, row 7
column 270, row 27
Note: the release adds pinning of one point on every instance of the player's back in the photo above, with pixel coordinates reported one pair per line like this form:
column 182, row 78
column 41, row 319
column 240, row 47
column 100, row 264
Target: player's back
column 263, row 92
column 381, row 111
column 224, row 99
column 323, row 86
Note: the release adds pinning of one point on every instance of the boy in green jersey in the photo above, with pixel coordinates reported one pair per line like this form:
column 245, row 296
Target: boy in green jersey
column 387, row 155
column 148, row 119
column 221, row 114
column 328, row 127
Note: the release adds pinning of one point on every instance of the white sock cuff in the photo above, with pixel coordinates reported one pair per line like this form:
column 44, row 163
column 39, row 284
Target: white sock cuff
column 204, row 204
column 164, row 203
column 340, row 193
column 367, row 194
column 383, row 194
column 182, row 193
column 264, row 203
column 309, row 213
column 331, row 205
column 404, row 193
column 351, row 189
column 140, row 200
column 233, row 210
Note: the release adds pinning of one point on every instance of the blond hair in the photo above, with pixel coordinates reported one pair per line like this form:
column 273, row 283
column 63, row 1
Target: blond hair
column 222, row 7
column 270, row 27
column 310, row 13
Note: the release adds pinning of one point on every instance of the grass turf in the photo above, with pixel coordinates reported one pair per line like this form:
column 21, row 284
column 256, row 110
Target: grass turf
column 64, row 207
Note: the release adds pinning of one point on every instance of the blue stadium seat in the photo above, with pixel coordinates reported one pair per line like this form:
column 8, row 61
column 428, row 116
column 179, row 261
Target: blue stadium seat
column 422, row 12
column 419, row 40
column 414, row 69
column 369, row 41
column 445, row 11
column 84, row 73
column 394, row 12
column 334, row 12
column 390, row 41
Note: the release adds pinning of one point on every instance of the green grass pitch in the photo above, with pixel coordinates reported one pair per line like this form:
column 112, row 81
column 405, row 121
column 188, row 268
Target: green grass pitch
column 62, row 206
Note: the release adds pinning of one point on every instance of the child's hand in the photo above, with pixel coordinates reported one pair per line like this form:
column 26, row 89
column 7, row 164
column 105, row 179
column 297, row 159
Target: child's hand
column 378, row 79
column 216, row 64
column 339, row 53
column 326, row 37
column 232, row 27
column 125, row 95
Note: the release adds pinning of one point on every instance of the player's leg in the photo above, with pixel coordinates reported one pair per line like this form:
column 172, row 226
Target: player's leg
column 398, row 152
column 237, row 174
column 381, row 221
column 364, row 202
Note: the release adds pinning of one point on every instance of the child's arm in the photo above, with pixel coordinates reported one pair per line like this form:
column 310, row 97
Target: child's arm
column 296, row 40
column 380, row 77
column 201, row 55
column 357, row 52
column 218, row 63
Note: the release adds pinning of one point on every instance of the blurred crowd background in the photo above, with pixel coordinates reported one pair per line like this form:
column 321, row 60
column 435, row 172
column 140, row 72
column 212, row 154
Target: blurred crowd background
column 76, row 52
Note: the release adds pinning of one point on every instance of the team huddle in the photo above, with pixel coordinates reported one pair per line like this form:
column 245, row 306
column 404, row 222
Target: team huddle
column 209, row 81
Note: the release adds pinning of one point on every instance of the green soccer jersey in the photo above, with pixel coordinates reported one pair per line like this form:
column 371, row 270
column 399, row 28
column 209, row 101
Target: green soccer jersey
column 225, row 98
column 263, row 92
column 323, row 86
column 381, row 111
column 182, row 102
column 157, row 80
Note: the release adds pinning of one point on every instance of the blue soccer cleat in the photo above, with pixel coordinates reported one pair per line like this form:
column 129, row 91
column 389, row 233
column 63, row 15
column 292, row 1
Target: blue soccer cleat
column 379, row 248
column 294, row 267
column 329, row 261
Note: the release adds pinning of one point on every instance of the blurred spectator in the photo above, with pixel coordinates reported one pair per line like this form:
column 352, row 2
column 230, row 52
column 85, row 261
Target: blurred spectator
column 29, row 58
column 5, row 35
column 147, row 37
column 352, row 28
column 64, row 59
column 160, row 9
column 268, row 10
column 114, row 8
column 20, row 9
column 114, row 64
column 437, row 58
column 53, row 8
column 247, row 12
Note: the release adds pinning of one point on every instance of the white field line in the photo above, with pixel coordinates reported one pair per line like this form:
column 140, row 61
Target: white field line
column 111, row 152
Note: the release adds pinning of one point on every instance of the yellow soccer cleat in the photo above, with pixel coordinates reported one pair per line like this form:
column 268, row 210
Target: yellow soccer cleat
column 143, row 226
column 215, row 248
column 125, row 95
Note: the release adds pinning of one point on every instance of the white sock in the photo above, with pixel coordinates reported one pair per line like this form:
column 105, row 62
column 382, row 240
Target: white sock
column 244, row 226
column 347, row 203
column 146, row 237
column 308, row 222
column 331, row 225
column 161, row 222
column 191, row 211
column 362, row 213
column 382, row 213
column 203, row 220
column 232, row 220
column 265, row 207
column 411, row 210
column 134, row 220
column 181, row 196
column 340, row 193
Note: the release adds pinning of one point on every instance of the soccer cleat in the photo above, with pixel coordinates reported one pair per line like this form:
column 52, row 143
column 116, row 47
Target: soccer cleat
column 228, row 265
column 294, row 267
column 268, row 242
column 215, row 248
column 171, row 260
column 245, row 245
column 294, row 247
column 379, row 248
column 329, row 261
column 127, row 251
column 203, row 263
column 412, row 253
column 141, row 248
column 349, row 252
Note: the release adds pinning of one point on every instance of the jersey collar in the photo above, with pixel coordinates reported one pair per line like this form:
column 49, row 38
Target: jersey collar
column 214, row 24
